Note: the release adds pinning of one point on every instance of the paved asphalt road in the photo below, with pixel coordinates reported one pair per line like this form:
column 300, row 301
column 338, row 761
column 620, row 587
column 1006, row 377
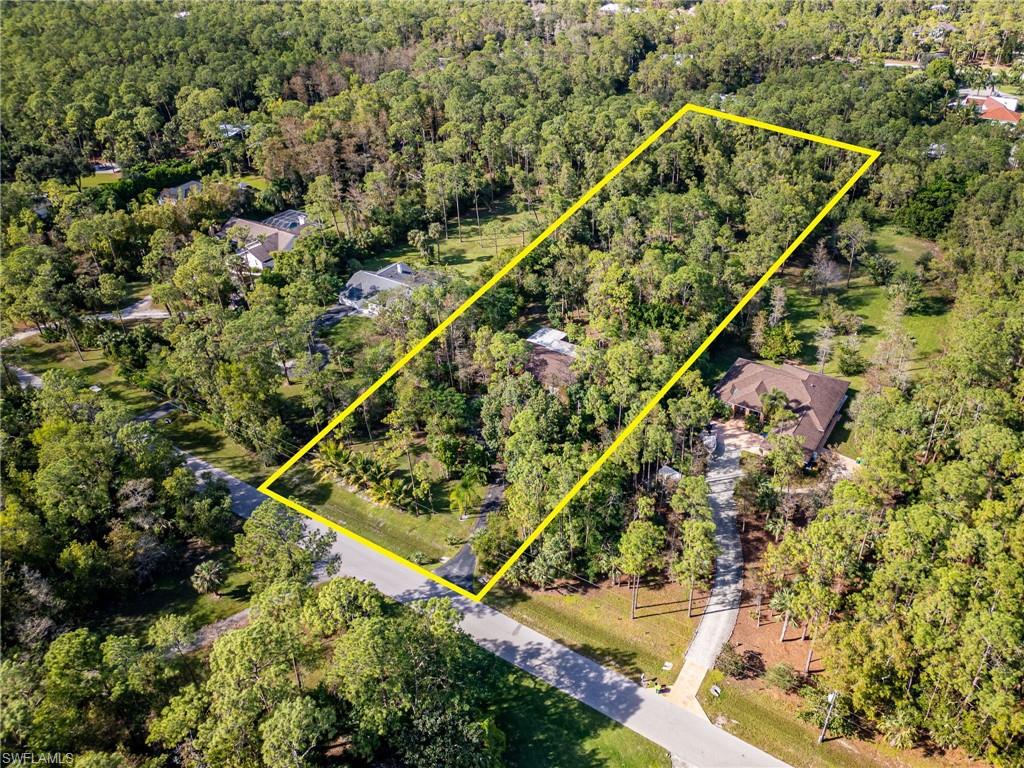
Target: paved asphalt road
column 692, row 741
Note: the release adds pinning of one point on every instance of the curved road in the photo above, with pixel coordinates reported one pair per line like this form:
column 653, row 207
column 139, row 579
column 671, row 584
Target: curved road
column 691, row 740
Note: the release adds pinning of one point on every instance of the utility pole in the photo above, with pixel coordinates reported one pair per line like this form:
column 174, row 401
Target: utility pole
column 828, row 715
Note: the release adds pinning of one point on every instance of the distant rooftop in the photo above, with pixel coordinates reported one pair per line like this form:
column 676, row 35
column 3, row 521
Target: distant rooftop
column 553, row 340
column 180, row 192
column 363, row 290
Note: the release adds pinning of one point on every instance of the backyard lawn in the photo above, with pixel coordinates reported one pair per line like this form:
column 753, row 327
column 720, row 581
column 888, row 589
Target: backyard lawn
column 596, row 623
column 99, row 179
column 500, row 228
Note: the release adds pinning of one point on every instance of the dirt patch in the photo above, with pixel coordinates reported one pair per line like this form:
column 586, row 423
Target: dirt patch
column 763, row 642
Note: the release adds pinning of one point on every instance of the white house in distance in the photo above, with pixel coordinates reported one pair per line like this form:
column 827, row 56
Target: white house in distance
column 176, row 194
column 551, row 359
column 263, row 239
column 366, row 291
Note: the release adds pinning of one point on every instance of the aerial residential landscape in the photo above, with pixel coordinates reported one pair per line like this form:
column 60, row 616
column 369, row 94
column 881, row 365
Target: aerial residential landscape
column 328, row 440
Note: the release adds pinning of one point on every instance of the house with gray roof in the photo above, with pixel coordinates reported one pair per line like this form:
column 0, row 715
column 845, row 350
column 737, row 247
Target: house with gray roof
column 366, row 291
column 815, row 399
column 258, row 241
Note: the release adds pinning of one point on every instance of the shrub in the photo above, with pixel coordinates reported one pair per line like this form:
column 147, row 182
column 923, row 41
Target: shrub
column 783, row 677
column 730, row 662
column 907, row 285
column 420, row 558
column 816, row 706
column 849, row 360
column 881, row 268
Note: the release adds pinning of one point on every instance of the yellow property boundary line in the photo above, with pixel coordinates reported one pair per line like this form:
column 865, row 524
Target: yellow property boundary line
column 871, row 154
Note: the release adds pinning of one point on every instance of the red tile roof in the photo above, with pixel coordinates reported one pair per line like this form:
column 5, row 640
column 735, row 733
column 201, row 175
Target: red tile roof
column 991, row 109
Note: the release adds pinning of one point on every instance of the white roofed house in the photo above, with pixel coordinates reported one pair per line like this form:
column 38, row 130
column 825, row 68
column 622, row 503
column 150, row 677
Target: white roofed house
column 173, row 195
column 367, row 291
column 551, row 359
column 257, row 242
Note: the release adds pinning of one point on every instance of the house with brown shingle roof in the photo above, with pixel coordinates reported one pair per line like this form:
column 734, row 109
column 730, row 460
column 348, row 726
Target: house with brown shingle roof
column 814, row 398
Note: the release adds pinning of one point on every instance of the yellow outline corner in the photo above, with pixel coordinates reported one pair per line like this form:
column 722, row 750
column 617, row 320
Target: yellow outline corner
column 872, row 155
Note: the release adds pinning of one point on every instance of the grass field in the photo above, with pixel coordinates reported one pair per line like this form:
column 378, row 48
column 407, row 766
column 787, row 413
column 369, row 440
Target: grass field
column 768, row 719
column 196, row 436
column 256, row 182
column 597, row 624
column 36, row 356
column 546, row 728
column 401, row 532
column 500, row 228
column 99, row 179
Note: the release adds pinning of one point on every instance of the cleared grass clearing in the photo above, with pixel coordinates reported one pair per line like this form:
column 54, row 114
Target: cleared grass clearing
column 36, row 356
column 99, row 179
column 402, row 532
column 596, row 624
column 501, row 227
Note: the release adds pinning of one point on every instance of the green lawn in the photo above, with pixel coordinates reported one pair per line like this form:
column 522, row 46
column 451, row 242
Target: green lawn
column 768, row 720
column 500, row 228
column 546, row 727
column 254, row 181
column 99, row 179
column 206, row 441
column 597, row 624
column 36, row 356
column 400, row 532
column 349, row 335
column 173, row 593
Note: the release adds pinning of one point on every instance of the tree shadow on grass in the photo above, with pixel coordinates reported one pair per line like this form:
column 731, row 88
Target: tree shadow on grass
column 198, row 439
column 546, row 727
column 931, row 306
column 301, row 483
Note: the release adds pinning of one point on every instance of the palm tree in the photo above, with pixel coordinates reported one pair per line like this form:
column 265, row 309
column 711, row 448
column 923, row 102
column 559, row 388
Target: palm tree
column 392, row 491
column 208, row 577
column 332, row 460
column 466, row 493
column 782, row 602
